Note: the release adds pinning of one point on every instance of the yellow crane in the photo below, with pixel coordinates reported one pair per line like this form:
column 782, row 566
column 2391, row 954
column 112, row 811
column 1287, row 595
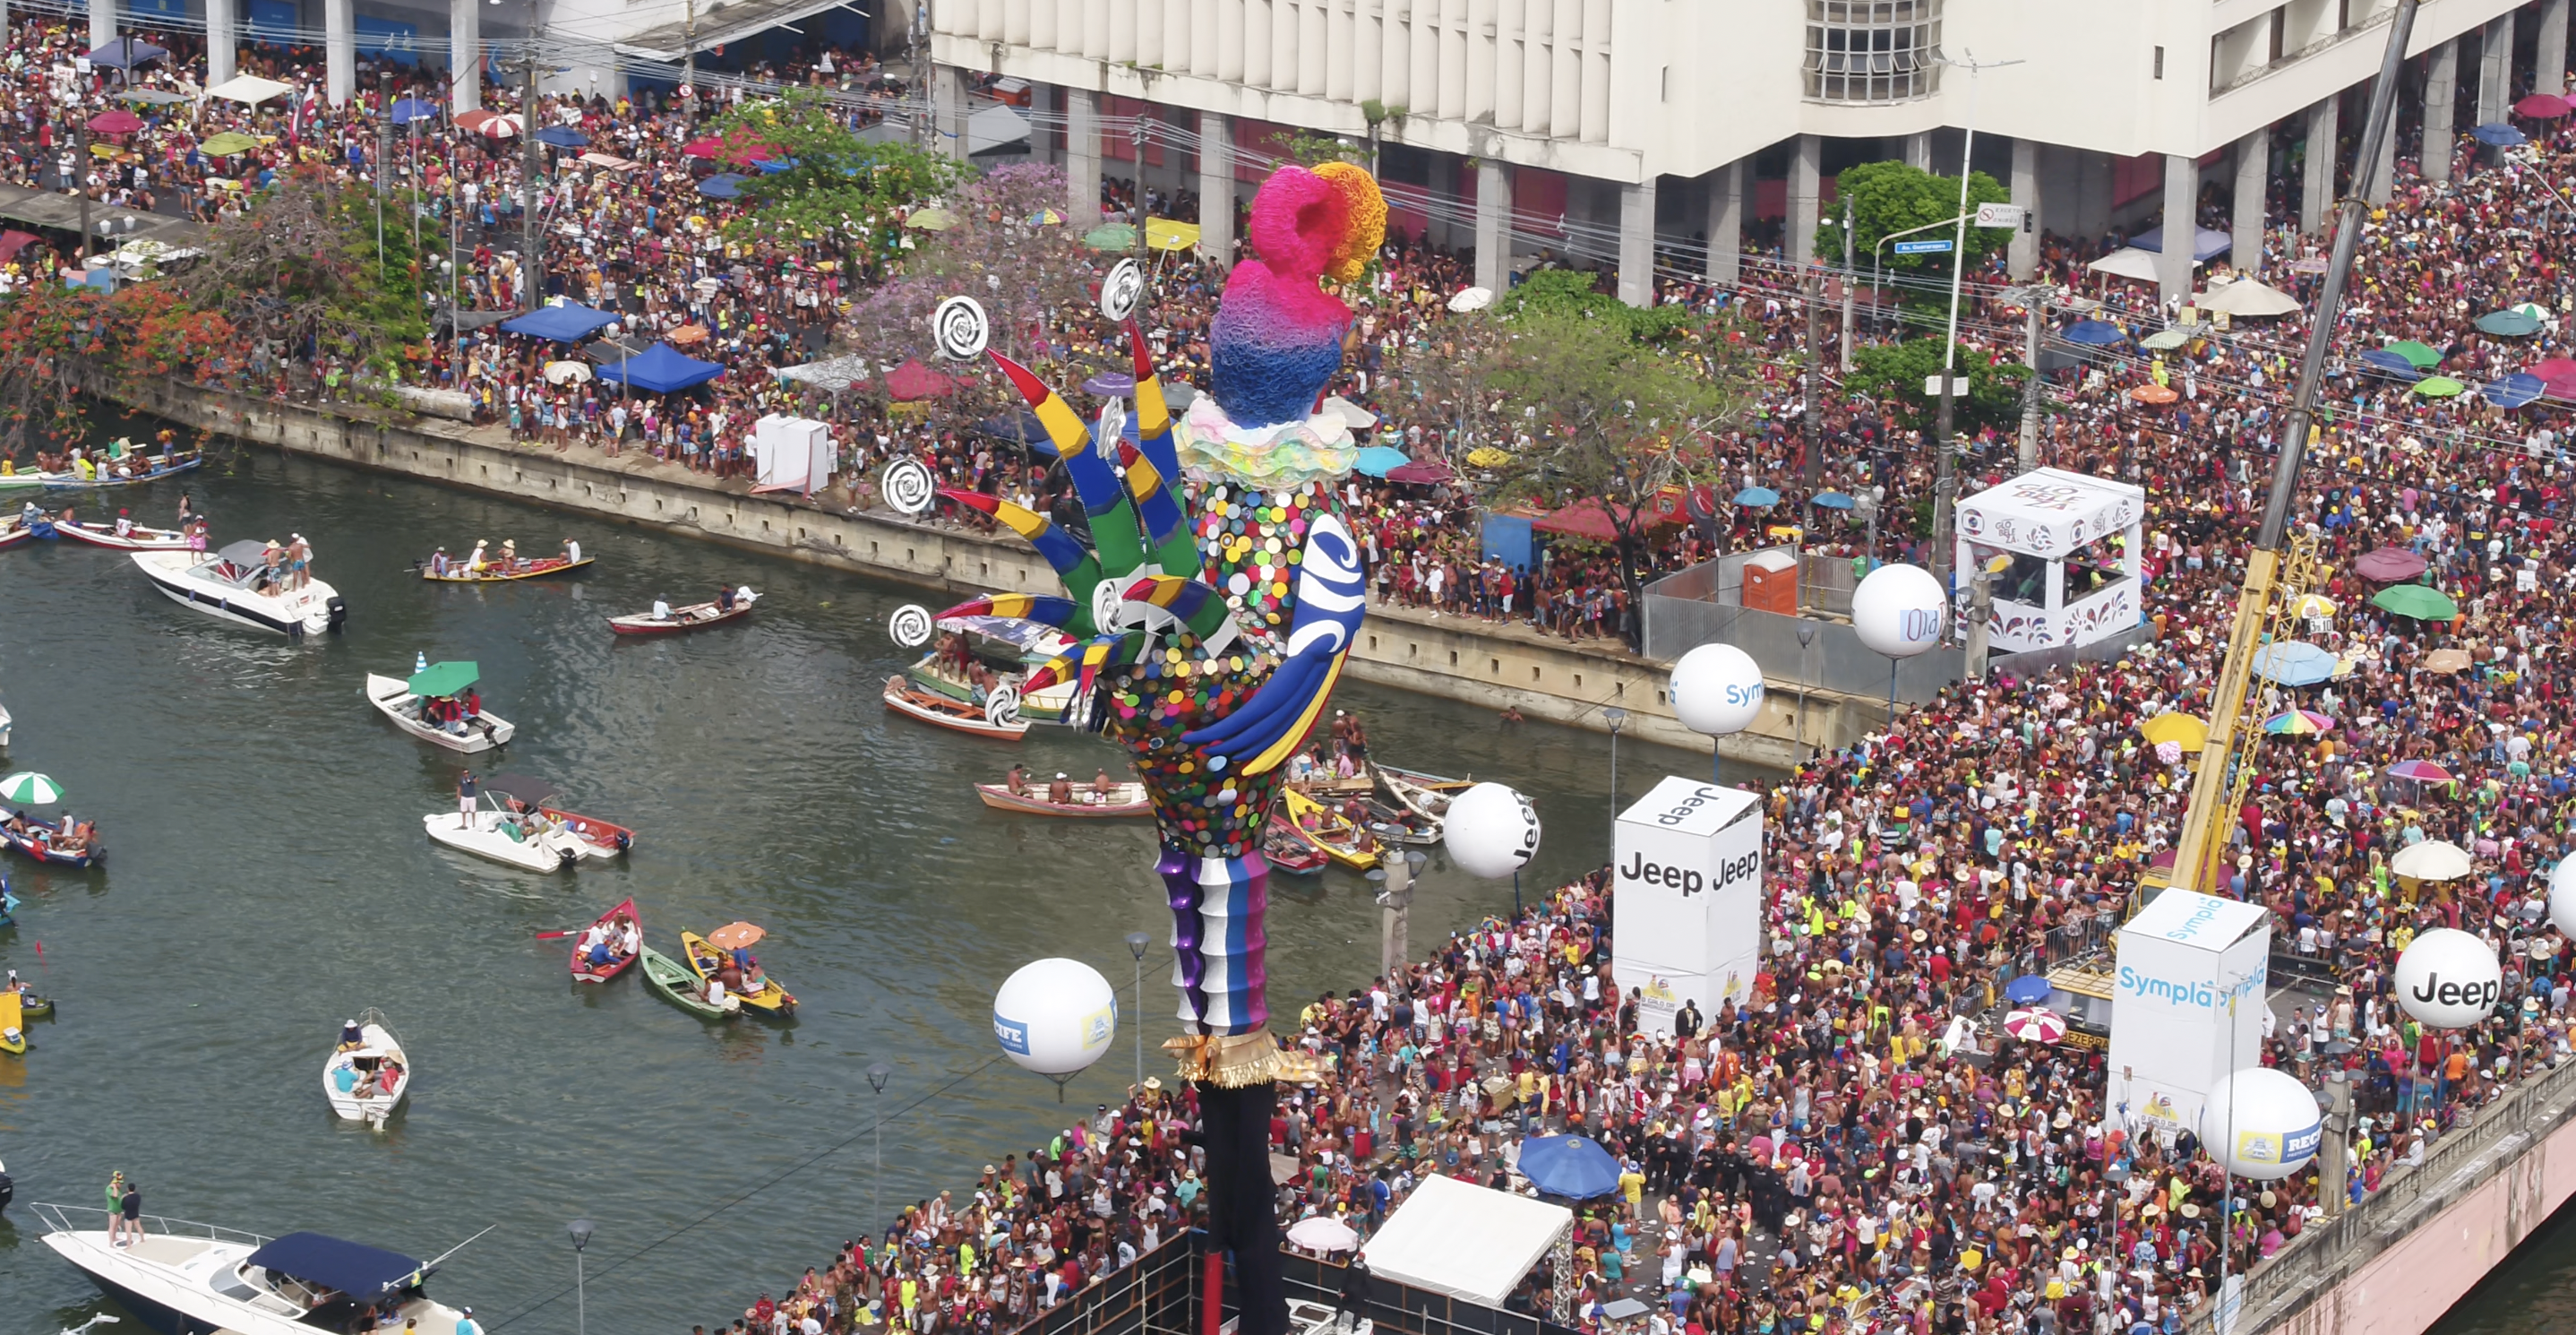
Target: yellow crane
column 2278, row 571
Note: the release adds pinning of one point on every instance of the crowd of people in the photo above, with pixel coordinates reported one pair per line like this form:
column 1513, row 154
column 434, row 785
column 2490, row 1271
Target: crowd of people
column 1830, row 1149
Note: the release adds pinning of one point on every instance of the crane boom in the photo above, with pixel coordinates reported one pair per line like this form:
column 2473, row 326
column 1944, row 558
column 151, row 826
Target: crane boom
column 2270, row 571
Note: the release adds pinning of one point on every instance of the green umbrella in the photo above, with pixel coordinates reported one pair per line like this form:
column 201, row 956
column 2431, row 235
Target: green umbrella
column 2419, row 601
column 441, row 679
column 1111, row 237
column 227, row 144
column 2415, row 353
column 2164, row 339
column 2439, row 387
column 28, row 786
column 2509, row 324
column 931, row 220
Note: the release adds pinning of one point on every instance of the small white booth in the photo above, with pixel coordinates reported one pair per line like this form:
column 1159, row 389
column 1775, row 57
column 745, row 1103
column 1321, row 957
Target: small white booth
column 2187, row 1005
column 792, row 454
column 1686, row 899
column 2069, row 546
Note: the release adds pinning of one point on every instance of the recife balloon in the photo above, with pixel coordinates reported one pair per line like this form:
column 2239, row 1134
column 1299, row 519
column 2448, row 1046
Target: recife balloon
column 1490, row 830
column 1897, row 610
column 1055, row 1016
column 1717, row 690
column 2261, row 1123
column 2449, row 979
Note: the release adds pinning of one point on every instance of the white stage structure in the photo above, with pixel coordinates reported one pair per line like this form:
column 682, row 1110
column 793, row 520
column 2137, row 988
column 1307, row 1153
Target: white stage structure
column 2074, row 543
column 1686, row 899
column 2187, row 1004
column 1466, row 1241
column 792, row 454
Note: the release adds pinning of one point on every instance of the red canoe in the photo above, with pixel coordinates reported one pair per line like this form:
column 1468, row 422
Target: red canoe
column 583, row 970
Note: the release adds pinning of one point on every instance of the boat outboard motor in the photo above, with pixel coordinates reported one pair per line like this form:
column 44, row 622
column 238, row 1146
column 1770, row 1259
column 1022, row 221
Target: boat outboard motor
column 338, row 609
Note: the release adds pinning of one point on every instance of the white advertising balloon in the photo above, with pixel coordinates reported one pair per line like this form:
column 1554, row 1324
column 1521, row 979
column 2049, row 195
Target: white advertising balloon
column 2449, row 979
column 1055, row 1016
column 1490, row 830
column 1717, row 690
column 2261, row 1123
column 2562, row 895
column 1897, row 610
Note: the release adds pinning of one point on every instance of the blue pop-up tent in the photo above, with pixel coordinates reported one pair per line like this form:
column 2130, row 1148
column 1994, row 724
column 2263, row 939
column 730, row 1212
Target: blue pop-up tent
column 662, row 369
column 570, row 322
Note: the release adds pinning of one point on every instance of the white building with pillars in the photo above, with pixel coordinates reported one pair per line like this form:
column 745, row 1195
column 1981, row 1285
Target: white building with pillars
column 1633, row 132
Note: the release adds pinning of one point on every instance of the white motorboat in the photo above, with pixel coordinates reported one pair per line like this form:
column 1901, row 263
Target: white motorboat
column 238, row 586
column 181, row 1276
column 5, row 721
column 396, row 700
column 367, row 1082
column 530, row 841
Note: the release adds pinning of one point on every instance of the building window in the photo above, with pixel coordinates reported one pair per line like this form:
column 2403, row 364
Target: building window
column 1873, row 50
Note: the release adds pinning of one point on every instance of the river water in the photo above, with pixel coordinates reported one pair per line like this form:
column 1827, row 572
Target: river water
column 268, row 877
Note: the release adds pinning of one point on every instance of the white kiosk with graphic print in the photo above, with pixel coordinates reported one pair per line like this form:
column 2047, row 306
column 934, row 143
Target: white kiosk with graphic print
column 2071, row 545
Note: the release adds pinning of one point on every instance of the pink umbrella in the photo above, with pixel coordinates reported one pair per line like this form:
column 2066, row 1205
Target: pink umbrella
column 2555, row 368
column 117, row 120
column 2542, row 107
column 2036, row 1025
column 2421, row 771
column 2388, row 565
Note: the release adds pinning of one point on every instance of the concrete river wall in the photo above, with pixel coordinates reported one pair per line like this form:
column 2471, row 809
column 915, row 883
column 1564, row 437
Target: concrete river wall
column 1470, row 660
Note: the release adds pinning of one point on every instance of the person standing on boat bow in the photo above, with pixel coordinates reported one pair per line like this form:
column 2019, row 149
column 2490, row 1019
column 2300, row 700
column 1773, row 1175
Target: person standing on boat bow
column 465, row 800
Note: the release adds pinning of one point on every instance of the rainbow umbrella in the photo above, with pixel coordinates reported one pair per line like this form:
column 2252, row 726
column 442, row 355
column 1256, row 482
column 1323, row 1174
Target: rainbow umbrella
column 2297, row 723
column 2419, row 771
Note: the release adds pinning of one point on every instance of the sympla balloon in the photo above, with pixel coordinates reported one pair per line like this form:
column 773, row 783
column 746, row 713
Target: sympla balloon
column 2449, row 979
column 1717, row 690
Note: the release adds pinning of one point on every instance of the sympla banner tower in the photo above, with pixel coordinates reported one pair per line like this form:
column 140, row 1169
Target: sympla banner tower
column 1686, row 902
column 2187, row 1004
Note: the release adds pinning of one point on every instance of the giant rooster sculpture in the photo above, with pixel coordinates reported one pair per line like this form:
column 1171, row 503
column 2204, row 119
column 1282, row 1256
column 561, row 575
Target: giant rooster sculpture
column 1212, row 632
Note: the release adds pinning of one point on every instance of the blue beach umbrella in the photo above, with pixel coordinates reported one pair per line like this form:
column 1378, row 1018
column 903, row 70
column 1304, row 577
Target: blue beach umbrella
column 2514, row 391
column 723, row 185
column 563, row 136
column 2500, row 135
column 1570, row 1166
column 1831, row 500
column 2391, row 363
column 1757, row 498
column 2294, row 663
column 2094, row 333
column 2028, row 990
column 1380, row 460
column 412, row 109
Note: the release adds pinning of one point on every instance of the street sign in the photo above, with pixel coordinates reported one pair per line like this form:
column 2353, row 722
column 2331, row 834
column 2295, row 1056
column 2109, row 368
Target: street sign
column 1922, row 247
column 1999, row 215
column 1958, row 386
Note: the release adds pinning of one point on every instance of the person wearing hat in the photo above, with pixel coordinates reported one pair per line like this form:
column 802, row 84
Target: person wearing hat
column 466, row 1324
column 1060, row 792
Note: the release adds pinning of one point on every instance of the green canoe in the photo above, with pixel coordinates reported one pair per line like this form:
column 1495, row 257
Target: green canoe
column 680, row 987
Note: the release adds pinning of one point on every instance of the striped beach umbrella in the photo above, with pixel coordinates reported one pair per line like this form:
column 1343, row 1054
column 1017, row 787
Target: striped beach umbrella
column 30, row 787
column 2297, row 723
column 2037, row 1024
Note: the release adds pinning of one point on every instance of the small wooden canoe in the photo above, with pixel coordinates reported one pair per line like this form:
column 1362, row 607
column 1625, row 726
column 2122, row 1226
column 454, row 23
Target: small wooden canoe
column 135, row 538
column 13, row 531
column 609, row 964
column 705, row 959
column 1417, row 792
column 1288, row 851
column 42, row 840
column 1125, row 799
column 496, row 572
column 696, row 616
column 903, row 697
column 1334, row 834
column 35, row 1007
column 1392, row 824
column 599, row 839
column 677, row 985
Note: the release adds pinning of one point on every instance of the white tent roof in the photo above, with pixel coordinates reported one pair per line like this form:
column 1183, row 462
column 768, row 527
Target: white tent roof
column 2247, row 297
column 993, row 127
column 2128, row 262
column 2050, row 512
column 248, row 88
column 1465, row 1241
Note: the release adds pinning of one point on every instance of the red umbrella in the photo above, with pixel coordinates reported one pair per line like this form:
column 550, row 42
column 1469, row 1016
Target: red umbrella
column 491, row 125
column 2556, row 368
column 2388, row 565
column 2542, row 107
column 913, row 382
column 739, row 151
column 116, row 120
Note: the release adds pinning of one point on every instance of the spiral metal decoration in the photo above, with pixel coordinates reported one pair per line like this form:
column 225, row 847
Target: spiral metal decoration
column 1002, row 707
column 961, row 328
column 1123, row 290
column 908, row 486
column 910, row 625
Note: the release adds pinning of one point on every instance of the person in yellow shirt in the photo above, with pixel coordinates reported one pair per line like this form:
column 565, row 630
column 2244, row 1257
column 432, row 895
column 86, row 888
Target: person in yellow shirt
column 1632, row 1189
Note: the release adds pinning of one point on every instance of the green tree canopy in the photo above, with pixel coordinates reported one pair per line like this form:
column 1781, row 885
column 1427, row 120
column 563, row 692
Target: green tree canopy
column 837, row 182
column 1570, row 293
column 1895, row 373
column 1890, row 197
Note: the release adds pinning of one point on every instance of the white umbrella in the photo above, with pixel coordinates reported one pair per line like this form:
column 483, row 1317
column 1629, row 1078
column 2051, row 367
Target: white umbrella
column 1321, row 1233
column 1472, row 299
column 29, row 786
column 247, row 88
column 558, row 373
column 1353, row 416
column 2431, row 860
column 2247, row 297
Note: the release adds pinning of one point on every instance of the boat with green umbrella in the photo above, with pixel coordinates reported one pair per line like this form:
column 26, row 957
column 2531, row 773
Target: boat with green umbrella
column 438, row 703
column 62, row 842
column 2417, row 601
column 2415, row 353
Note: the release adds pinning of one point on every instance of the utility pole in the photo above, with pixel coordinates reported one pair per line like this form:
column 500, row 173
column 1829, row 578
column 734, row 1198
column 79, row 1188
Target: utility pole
column 1136, row 137
column 1945, row 475
column 1981, row 610
column 1811, row 460
column 689, row 66
column 80, row 186
column 1847, row 286
column 384, row 155
column 2034, row 303
column 532, row 255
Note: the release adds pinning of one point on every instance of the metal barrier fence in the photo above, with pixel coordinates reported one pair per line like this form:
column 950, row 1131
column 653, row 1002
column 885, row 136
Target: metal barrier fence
column 1400, row 1309
column 1159, row 1295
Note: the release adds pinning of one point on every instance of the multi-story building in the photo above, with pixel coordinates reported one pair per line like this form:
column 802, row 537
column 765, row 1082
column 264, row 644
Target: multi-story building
column 1646, row 132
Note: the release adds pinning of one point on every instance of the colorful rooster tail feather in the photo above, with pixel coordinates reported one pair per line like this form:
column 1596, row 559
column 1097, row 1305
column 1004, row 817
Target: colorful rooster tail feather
column 1076, row 567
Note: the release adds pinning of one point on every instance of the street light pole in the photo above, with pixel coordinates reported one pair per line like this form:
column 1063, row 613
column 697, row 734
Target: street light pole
column 1847, row 287
column 878, row 1074
column 580, row 1230
column 1615, row 716
column 1137, row 942
column 1945, row 476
